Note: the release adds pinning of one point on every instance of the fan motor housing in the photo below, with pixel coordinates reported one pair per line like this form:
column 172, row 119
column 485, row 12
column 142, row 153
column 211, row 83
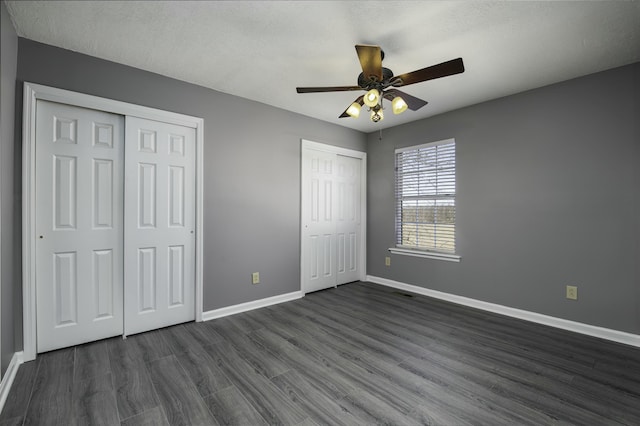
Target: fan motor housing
column 372, row 83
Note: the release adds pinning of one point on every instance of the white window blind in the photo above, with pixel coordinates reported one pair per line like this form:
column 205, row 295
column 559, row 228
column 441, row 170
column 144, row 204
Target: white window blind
column 426, row 197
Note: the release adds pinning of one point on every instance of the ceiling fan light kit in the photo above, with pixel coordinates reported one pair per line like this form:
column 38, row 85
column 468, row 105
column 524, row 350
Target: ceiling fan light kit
column 380, row 83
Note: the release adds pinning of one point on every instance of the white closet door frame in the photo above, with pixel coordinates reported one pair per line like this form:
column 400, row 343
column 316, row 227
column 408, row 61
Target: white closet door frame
column 362, row 258
column 32, row 93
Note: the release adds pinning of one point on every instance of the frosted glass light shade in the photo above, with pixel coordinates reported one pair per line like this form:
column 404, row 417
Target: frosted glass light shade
column 398, row 105
column 354, row 110
column 371, row 98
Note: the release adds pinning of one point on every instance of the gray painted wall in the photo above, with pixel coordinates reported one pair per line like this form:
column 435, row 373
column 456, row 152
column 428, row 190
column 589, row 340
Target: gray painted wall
column 548, row 195
column 252, row 167
column 9, row 279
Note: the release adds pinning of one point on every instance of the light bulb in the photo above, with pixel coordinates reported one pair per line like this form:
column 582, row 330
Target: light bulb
column 398, row 105
column 354, row 110
column 371, row 98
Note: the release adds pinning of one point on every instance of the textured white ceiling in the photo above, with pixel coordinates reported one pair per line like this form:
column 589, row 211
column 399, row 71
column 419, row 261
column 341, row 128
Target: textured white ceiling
column 262, row 50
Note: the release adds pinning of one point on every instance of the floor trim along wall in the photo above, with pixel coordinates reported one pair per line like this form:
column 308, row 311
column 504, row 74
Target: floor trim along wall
column 248, row 306
column 590, row 330
column 9, row 375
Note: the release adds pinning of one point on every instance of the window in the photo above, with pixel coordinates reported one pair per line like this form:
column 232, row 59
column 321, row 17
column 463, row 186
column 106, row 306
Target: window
column 426, row 198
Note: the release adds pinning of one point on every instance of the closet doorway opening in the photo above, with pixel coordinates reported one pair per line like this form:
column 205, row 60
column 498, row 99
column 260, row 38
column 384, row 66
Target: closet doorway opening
column 333, row 216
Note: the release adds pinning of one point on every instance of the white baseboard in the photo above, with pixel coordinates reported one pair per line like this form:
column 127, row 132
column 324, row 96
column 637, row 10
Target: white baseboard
column 248, row 306
column 577, row 327
column 9, row 376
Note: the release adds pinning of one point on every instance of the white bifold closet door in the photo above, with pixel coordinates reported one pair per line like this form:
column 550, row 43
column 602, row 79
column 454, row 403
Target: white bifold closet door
column 159, row 231
column 331, row 219
column 115, row 225
column 79, row 224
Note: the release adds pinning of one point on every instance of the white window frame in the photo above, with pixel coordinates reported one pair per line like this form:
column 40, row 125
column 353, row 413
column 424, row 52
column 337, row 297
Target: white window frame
column 413, row 251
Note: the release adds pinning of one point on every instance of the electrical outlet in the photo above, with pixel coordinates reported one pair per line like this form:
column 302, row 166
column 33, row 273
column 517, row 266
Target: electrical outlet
column 255, row 278
column 387, row 261
column 572, row 292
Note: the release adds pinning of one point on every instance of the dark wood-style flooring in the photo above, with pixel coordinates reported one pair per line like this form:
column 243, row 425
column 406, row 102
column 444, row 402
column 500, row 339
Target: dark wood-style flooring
column 358, row 354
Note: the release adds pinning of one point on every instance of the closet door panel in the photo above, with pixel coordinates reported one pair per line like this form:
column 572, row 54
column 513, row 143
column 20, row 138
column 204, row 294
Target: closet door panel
column 159, row 225
column 79, row 275
column 348, row 218
column 318, row 216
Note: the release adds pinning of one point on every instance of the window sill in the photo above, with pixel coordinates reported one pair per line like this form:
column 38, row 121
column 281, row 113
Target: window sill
column 425, row 254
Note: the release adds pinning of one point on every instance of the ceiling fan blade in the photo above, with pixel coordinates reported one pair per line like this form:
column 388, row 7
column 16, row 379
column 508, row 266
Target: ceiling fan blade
column 327, row 89
column 412, row 102
column 371, row 61
column 360, row 100
column 454, row 66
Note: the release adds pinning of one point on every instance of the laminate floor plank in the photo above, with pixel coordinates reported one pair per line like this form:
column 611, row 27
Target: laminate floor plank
column 367, row 406
column 474, row 383
column 346, row 317
column 392, row 300
column 474, row 343
column 152, row 344
column 152, row 417
column 203, row 333
column 13, row 421
column 203, row 371
column 245, row 322
column 390, row 307
column 15, row 406
column 620, row 406
column 94, row 402
column 477, row 381
column 558, row 410
column 535, row 341
column 346, row 314
column 307, row 422
column 265, row 397
column 608, row 370
column 324, row 377
column 51, row 397
column 180, row 400
column 357, row 354
column 518, row 331
column 261, row 360
column 335, row 329
column 361, row 378
column 181, row 340
column 293, row 325
column 321, row 408
column 133, row 387
column 464, row 349
column 470, row 319
column 92, row 360
column 230, row 407
column 436, row 406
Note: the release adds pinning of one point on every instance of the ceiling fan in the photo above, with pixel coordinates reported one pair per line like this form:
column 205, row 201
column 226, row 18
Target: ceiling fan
column 380, row 83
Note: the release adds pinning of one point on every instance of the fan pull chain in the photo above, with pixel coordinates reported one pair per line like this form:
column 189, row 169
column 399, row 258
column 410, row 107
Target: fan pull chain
column 380, row 137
